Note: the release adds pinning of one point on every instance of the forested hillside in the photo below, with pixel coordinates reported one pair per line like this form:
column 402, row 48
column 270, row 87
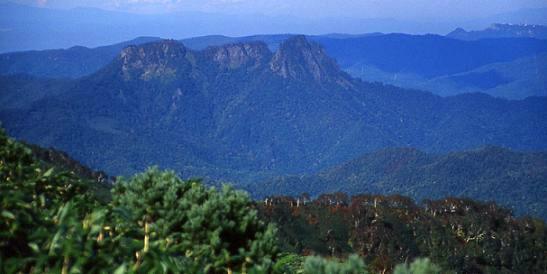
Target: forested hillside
column 513, row 179
column 243, row 109
column 52, row 220
column 458, row 234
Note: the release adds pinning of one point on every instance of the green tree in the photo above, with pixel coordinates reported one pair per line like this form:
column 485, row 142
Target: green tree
column 51, row 222
column 319, row 265
column 41, row 228
column 419, row 266
column 198, row 227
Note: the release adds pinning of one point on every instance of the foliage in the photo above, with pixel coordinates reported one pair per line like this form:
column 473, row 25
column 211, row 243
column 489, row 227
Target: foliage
column 41, row 212
column 213, row 230
column 318, row 265
column 289, row 263
column 51, row 222
column 419, row 266
column 456, row 234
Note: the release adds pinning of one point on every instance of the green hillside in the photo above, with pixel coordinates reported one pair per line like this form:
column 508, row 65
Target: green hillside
column 513, row 179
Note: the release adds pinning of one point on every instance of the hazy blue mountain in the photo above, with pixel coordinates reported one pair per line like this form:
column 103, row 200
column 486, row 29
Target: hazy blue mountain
column 425, row 56
column 509, row 68
column 64, row 63
column 428, row 55
column 501, row 31
column 512, row 179
column 515, row 79
column 243, row 107
column 527, row 16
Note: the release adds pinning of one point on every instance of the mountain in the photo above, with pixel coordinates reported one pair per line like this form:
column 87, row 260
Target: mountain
column 73, row 62
column 429, row 62
column 428, row 56
column 510, row 178
column 502, row 67
column 501, row 31
column 242, row 110
column 525, row 16
column 516, row 79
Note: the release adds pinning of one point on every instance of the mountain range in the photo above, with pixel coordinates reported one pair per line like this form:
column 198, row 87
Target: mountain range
column 501, row 31
column 504, row 67
column 243, row 107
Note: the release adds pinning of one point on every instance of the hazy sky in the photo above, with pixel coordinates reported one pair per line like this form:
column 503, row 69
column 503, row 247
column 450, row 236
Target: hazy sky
column 399, row 9
column 23, row 28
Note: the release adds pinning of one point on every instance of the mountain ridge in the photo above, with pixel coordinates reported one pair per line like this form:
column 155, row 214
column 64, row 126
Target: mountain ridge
column 193, row 116
column 501, row 31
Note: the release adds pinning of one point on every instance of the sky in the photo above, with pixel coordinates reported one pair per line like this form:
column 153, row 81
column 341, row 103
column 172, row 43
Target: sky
column 396, row 9
column 56, row 25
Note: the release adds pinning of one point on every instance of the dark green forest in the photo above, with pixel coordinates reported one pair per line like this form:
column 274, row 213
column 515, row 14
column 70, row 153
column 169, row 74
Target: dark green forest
column 59, row 217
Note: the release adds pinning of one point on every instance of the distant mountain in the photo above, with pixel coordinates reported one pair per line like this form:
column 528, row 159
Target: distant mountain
column 517, row 79
column 501, row 31
column 64, row 63
column 527, row 16
column 503, row 67
column 512, row 179
column 424, row 56
column 428, row 56
column 243, row 107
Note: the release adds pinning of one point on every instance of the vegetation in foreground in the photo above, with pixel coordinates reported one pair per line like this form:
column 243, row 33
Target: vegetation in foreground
column 53, row 222
column 155, row 222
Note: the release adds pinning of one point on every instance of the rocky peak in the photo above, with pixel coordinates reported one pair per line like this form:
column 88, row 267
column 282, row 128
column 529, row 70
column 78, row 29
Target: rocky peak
column 241, row 54
column 301, row 59
column 153, row 60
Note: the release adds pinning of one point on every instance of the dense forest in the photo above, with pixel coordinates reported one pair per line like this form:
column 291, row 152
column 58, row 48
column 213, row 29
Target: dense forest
column 459, row 234
column 517, row 177
column 57, row 218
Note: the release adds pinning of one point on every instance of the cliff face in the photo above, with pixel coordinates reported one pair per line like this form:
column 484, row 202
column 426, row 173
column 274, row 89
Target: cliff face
column 300, row 59
column 234, row 56
column 152, row 61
